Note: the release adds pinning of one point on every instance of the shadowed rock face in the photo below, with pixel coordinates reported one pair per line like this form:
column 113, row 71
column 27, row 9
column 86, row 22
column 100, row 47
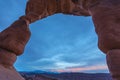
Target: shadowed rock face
column 107, row 24
column 12, row 43
column 105, row 15
column 35, row 11
column 7, row 58
column 15, row 37
column 113, row 60
column 9, row 74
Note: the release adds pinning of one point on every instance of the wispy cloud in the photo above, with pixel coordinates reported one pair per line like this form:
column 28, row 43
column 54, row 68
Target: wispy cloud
column 82, row 69
column 58, row 41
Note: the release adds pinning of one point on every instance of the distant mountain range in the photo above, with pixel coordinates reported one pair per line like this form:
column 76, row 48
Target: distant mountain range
column 43, row 75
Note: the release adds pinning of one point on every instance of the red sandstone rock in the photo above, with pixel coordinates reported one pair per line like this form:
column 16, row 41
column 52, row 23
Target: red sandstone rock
column 106, row 17
column 38, row 9
column 7, row 58
column 113, row 61
column 107, row 24
column 15, row 37
column 12, row 43
column 9, row 74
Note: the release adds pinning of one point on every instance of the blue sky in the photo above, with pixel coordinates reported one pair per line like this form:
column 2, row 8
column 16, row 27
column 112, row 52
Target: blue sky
column 59, row 43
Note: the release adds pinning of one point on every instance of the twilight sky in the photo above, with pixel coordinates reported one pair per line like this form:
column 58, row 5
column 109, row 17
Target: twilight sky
column 59, row 43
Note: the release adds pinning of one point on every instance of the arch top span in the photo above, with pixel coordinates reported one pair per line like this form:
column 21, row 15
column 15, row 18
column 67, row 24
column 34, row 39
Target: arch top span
column 38, row 9
column 105, row 15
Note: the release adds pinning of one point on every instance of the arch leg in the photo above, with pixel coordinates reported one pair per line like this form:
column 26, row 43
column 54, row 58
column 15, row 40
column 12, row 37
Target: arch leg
column 113, row 61
column 12, row 44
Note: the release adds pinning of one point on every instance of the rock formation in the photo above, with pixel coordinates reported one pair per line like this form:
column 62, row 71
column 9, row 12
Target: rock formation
column 13, row 40
column 105, row 15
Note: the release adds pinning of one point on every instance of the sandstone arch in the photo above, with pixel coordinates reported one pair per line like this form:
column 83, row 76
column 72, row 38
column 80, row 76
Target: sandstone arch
column 105, row 15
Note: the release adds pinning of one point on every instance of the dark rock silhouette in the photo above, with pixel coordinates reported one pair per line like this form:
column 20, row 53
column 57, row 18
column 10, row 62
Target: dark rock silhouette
column 105, row 15
column 65, row 76
column 29, row 76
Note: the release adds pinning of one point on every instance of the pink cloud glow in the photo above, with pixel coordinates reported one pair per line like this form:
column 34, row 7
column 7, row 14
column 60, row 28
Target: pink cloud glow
column 82, row 69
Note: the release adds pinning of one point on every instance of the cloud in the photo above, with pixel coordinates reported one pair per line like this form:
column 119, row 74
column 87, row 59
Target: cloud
column 61, row 46
column 59, row 41
column 83, row 69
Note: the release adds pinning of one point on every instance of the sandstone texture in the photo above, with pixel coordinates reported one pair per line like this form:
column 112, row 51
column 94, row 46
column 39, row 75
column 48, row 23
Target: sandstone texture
column 105, row 15
column 12, row 43
column 9, row 74
column 113, row 61
column 15, row 37
column 7, row 58
column 107, row 24
column 38, row 9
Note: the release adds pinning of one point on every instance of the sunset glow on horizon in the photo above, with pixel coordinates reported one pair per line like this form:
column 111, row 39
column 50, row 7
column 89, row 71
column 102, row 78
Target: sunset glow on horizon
column 82, row 69
column 58, row 43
